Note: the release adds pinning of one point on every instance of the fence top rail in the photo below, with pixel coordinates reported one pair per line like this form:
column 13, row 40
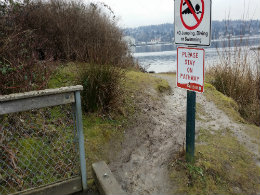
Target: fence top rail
column 39, row 93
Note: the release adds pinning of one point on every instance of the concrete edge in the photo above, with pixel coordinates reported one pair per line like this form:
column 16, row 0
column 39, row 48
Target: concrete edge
column 16, row 96
column 105, row 180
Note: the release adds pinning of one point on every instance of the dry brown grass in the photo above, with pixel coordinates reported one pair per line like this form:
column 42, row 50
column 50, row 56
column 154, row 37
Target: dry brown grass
column 237, row 75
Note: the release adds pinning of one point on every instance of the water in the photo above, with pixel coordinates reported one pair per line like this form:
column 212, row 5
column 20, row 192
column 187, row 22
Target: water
column 166, row 61
column 163, row 58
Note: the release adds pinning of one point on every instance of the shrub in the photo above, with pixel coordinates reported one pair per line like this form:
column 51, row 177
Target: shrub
column 35, row 33
column 237, row 76
column 75, row 31
column 19, row 69
column 101, row 86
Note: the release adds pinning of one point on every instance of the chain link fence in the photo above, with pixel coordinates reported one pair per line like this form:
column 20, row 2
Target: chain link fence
column 37, row 148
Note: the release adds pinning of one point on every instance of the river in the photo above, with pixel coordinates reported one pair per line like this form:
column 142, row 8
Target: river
column 163, row 58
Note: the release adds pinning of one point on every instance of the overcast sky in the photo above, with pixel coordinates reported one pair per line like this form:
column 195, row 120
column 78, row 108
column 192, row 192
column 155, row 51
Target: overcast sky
column 133, row 13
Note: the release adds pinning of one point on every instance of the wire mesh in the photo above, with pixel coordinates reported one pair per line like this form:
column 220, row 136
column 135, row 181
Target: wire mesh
column 37, row 148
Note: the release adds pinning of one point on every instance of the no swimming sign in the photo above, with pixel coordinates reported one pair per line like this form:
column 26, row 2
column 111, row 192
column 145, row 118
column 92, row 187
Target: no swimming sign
column 192, row 19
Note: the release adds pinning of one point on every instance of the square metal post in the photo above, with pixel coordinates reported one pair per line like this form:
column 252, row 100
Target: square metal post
column 79, row 124
column 190, row 125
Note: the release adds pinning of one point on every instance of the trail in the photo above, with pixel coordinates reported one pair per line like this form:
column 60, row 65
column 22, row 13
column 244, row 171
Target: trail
column 157, row 134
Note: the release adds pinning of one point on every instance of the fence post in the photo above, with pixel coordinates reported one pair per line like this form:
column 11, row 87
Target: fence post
column 78, row 112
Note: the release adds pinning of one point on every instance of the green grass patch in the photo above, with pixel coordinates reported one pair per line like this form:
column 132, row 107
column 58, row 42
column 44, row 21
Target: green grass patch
column 200, row 109
column 222, row 166
column 30, row 157
column 227, row 104
column 201, row 113
column 162, row 86
column 40, row 149
column 253, row 131
column 169, row 73
column 135, row 85
column 137, row 81
column 65, row 75
column 100, row 134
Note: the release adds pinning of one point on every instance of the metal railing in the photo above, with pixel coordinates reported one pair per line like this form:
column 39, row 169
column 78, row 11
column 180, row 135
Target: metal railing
column 41, row 139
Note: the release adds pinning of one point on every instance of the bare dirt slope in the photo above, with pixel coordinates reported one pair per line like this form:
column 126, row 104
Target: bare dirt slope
column 157, row 134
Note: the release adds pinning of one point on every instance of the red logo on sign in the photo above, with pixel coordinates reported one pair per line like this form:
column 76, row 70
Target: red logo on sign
column 194, row 11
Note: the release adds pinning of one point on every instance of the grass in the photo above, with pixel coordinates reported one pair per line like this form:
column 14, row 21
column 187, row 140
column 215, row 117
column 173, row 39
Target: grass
column 237, row 76
column 41, row 148
column 65, row 75
column 137, row 81
column 103, row 132
column 222, row 166
column 99, row 134
column 253, row 131
column 162, row 86
column 230, row 107
column 227, row 104
column 134, row 87
column 223, row 102
column 200, row 112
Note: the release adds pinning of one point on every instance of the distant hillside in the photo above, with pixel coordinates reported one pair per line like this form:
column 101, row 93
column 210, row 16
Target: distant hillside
column 165, row 32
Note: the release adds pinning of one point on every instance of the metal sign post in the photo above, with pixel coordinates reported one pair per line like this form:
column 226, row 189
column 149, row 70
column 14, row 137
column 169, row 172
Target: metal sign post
column 190, row 125
column 192, row 20
column 190, row 75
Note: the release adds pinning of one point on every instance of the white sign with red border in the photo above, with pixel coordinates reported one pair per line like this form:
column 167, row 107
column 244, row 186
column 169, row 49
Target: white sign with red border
column 192, row 19
column 190, row 68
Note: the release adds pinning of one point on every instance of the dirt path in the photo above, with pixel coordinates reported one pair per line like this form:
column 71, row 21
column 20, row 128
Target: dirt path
column 158, row 134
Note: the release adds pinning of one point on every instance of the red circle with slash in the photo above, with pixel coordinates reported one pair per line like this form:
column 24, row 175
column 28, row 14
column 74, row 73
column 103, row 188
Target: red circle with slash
column 199, row 20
